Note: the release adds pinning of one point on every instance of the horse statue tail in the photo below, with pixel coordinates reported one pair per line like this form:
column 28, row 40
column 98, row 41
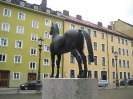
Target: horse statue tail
column 89, row 44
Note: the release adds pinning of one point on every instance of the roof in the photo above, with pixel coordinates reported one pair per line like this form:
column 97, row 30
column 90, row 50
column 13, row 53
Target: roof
column 126, row 23
column 89, row 24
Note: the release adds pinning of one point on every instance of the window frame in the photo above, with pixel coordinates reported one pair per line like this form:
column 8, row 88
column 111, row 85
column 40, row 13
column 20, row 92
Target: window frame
column 20, row 29
column 72, row 26
column 34, row 50
column 17, row 60
column 48, row 62
column 21, row 16
column 5, row 28
column 59, row 24
column 48, row 24
column 31, row 62
column 5, row 55
column 18, row 76
column 16, row 44
column 2, row 43
column 47, row 47
column 94, row 33
column 34, row 37
column 8, row 11
column 47, row 36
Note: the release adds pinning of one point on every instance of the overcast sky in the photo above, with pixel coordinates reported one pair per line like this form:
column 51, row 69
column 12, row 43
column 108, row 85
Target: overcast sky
column 94, row 11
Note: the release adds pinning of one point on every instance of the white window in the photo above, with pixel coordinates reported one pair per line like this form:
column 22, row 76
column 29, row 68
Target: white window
column 95, row 45
column 21, row 16
column 102, row 35
column 35, row 24
column 22, row 3
column 33, row 51
column 127, row 52
column 122, row 40
column 17, row 58
column 112, row 49
column 46, row 48
column 72, row 73
column 124, row 63
column 5, row 27
column 119, row 40
column 59, row 25
column 89, row 31
column 34, row 37
column 58, row 14
column 103, row 61
column 3, row 41
column 72, row 26
column 18, row 44
column 72, row 58
column 35, row 7
column 7, row 12
column 20, row 29
column 120, row 64
column 119, row 50
column 32, row 65
column 95, row 60
column 48, row 10
column 46, row 35
column 132, row 53
column 16, row 75
column 113, row 74
column 131, row 43
column 126, row 42
column 46, row 61
column 46, row 75
column 3, row 57
column 103, row 47
column 94, row 33
column 113, row 62
column 48, row 22
column 123, row 50
column 112, row 38
column 8, row 0
column 128, row 64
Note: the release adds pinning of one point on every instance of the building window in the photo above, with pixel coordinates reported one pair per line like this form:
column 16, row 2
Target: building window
column 128, row 64
column 18, row 44
column 21, row 16
column 131, row 43
column 72, row 73
column 89, row 62
column 35, row 7
column 82, row 27
column 95, row 60
column 46, row 35
column 46, row 75
column 3, row 57
column 112, row 38
column 5, row 27
column 46, row 61
column 127, row 52
column 59, row 25
column 102, row 35
column 3, row 41
column 112, row 49
column 120, row 75
column 122, row 40
column 89, row 74
column 46, row 48
column 96, row 74
column 113, row 74
column 20, row 29
column 34, row 37
column 22, row 3
column 32, row 65
column 95, row 45
column 7, row 12
column 124, row 74
column 126, row 42
column 95, row 34
column 132, row 53
column 89, row 31
column 119, row 40
column 123, row 51
column 103, row 47
column 8, row 0
column 48, row 10
column 72, row 26
column 113, row 62
column 35, row 24
column 128, row 75
column 47, row 22
column 124, row 64
column 103, row 61
column 120, row 64
column 16, row 75
column 33, row 51
column 72, row 58
column 17, row 58
column 58, row 13
column 119, row 50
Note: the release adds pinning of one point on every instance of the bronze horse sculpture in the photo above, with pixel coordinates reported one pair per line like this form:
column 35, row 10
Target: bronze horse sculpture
column 72, row 41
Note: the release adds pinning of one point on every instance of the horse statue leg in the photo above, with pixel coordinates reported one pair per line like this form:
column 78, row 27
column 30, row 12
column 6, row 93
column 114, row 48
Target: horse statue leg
column 58, row 65
column 52, row 59
column 81, row 52
column 78, row 58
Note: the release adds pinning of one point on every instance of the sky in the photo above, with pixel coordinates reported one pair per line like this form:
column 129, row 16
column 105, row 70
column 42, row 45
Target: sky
column 94, row 11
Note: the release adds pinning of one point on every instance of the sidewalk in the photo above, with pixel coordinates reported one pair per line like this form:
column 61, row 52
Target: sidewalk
column 8, row 88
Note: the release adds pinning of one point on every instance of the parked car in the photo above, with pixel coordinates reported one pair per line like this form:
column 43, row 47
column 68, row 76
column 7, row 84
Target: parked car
column 102, row 83
column 29, row 85
column 130, row 82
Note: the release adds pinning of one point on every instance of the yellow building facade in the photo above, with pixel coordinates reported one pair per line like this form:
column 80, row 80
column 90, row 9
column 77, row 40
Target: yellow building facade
column 105, row 42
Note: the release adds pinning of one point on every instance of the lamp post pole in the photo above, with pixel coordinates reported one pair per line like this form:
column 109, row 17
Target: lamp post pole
column 38, row 85
column 116, row 55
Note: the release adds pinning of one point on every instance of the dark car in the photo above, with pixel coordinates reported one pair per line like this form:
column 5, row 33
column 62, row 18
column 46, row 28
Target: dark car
column 130, row 82
column 29, row 85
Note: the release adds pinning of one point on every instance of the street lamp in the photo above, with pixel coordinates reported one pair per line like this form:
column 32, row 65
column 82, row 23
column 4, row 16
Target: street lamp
column 116, row 55
column 38, row 85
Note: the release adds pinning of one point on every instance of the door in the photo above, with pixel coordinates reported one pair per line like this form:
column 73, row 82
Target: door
column 4, row 79
column 103, row 75
column 31, row 76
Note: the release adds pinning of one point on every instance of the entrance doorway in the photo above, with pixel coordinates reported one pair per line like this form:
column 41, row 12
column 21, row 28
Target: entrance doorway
column 4, row 79
column 103, row 75
column 31, row 76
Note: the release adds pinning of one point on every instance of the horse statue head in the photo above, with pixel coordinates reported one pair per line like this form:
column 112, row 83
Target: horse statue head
column 54, row 29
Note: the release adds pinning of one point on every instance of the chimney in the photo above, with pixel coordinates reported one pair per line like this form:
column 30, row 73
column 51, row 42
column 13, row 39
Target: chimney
column 65, row 12
column 79, row 17
column 100, row 24
column 43, row 5
column 110, row 27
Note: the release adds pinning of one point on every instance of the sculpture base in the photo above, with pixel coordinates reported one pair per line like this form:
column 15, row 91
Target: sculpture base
column 62, row 88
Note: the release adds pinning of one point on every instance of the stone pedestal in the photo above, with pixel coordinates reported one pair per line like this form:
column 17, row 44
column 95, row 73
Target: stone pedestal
column 63, row 88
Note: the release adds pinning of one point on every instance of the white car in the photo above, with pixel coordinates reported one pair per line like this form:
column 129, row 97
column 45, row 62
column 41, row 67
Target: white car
column 102, row 83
